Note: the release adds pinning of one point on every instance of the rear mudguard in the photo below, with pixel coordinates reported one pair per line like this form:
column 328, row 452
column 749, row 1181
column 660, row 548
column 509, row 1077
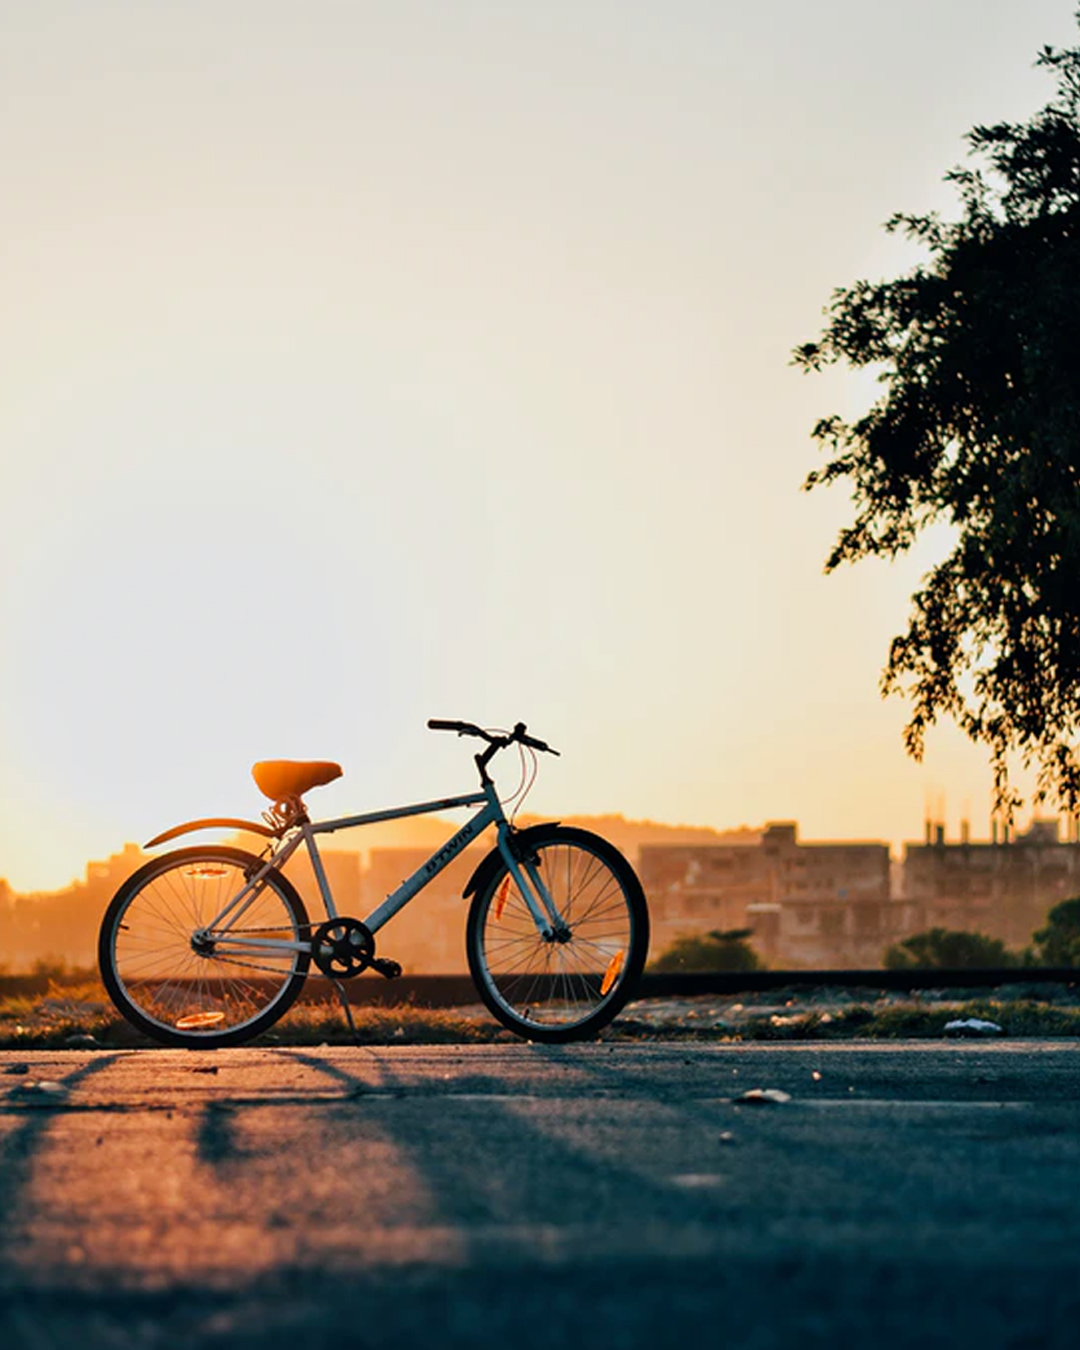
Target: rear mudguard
column 520, row 841
column 212, row 822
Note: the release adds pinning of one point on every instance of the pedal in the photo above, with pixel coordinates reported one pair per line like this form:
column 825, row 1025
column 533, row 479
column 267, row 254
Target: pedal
column 388, row 969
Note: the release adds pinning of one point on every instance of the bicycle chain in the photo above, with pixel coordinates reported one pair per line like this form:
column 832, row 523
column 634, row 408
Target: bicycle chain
column 269, row 970
column 387, row 968
column 250, row 965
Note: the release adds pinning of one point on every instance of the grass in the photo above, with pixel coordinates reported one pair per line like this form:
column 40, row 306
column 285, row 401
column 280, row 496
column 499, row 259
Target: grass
column 51, row 1020
column 1023, row 1018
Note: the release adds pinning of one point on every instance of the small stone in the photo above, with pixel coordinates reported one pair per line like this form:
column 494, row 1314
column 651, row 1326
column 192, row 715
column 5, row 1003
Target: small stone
column 82, row 1041
column 726, row 1137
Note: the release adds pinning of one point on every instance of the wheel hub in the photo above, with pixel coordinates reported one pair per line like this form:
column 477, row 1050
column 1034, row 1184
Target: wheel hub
column 202, row 944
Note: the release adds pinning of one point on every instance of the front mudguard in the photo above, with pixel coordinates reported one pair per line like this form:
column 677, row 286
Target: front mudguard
column 521, row 842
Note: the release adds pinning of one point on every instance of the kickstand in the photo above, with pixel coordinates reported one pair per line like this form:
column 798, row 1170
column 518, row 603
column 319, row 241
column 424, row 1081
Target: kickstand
column 343, row 998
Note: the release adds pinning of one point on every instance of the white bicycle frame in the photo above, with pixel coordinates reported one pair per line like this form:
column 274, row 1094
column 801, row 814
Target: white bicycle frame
column 535, row 894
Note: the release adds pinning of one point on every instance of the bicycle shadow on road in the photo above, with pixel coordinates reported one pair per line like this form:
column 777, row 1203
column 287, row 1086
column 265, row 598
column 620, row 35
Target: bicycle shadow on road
column 20, row 1145
column 501, row 1168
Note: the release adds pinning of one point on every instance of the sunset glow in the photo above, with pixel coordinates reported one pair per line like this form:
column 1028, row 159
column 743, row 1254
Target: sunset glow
column 365, row 363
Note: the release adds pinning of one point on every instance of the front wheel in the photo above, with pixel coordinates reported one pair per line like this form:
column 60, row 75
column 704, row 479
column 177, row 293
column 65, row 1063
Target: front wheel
column 566, row 986
column 188, row 967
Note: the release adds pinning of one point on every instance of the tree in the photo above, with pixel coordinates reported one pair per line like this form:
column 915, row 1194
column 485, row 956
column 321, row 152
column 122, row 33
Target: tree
column 978, row 427
column 718, row 950
column 948, row 949
column 1058, row 944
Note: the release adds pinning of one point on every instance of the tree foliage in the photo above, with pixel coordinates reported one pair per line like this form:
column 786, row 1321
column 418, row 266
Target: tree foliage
column 948, row 949
column 978, row 427
column 1058, row 943
column 700, row 953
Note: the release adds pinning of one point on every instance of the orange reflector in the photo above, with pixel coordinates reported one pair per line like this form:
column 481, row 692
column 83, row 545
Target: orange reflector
column 206, row 870
column 200, row 1021
column 500, row 899
column 613, row 971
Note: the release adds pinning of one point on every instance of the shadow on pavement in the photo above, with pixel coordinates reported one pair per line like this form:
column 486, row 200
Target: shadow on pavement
column 740, row 1305
column 20, row 1145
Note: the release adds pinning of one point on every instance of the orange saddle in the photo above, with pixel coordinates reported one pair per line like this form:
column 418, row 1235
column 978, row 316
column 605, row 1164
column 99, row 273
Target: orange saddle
column 279, row 778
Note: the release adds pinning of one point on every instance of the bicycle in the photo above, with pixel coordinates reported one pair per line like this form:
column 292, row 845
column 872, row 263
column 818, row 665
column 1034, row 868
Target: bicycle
column 209, row 945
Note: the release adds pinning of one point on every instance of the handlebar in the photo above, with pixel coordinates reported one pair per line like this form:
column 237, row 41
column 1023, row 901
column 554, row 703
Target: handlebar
column 515, row 737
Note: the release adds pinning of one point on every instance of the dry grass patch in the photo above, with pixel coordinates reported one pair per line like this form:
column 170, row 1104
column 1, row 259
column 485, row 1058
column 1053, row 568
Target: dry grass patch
column 66, row 1014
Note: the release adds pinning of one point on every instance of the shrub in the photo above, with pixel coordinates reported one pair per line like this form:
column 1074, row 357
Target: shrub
column 949, row 949
column 703, row 952
column 1058, row 944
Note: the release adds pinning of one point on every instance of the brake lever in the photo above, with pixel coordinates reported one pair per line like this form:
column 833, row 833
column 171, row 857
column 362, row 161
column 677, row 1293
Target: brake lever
column 532, row 741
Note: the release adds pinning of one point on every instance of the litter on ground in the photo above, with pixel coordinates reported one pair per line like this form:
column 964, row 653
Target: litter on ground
column 972, row 1026
column 763, row 1097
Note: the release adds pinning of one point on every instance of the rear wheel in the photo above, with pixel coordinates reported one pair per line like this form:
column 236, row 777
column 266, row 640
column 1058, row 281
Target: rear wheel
column 184, row 983
column 568, row 986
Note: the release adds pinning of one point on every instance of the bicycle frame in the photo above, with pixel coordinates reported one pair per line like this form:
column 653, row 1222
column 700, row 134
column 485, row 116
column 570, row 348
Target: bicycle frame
column 536, row 895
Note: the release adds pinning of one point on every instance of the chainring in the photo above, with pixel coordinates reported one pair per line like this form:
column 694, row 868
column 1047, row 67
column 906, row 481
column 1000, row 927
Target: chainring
column 342, row 948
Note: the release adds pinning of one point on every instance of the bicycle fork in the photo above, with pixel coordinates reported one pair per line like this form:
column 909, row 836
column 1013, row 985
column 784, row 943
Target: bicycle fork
column 550, row 924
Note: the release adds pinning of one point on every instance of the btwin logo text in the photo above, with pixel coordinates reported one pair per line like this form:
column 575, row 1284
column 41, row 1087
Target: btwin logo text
column 449, row 849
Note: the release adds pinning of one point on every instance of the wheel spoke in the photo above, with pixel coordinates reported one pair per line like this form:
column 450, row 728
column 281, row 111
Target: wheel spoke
column 554, row 986
column 180, row 988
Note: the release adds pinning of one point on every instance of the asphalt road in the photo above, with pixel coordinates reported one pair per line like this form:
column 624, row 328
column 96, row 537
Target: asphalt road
column 519, row 1196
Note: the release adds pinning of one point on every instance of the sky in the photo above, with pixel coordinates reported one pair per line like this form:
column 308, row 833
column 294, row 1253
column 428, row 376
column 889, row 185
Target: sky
column 363, row 363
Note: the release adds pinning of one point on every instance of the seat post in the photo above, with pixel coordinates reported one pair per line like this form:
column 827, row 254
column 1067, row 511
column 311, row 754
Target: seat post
column 317, row 867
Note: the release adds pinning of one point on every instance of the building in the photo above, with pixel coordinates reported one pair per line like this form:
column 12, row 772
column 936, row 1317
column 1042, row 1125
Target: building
column 343, row 874
column 1003, row 887
column 818, row 904
column 428, row 936
column 61, row 927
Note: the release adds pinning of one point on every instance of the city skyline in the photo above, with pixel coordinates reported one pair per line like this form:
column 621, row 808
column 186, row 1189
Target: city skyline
column 365, row 364
column 805, row 902
column 424, row 834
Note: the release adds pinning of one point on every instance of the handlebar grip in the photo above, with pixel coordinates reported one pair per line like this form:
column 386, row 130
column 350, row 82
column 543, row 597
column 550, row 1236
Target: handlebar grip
column 539, row 745
column 462, row 728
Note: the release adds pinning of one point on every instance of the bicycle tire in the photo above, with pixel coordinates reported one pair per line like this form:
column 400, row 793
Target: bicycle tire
column 164, row 986
column 550, row 990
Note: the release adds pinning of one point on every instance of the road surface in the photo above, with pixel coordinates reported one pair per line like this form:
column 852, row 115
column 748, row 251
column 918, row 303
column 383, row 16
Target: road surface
column 604, row 1195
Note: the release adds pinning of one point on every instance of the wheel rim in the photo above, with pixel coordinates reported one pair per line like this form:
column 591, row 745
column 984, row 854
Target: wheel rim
column 202, row 989
column 559, row 984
